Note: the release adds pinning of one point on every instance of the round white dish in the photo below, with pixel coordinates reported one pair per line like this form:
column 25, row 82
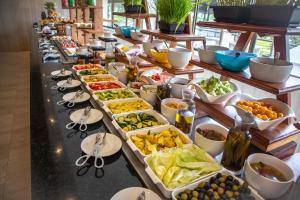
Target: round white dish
column 112, row 145
column 132, row 193
column 84, row 97
column 264, row 69
column 179, row 57
column 170, row 113
column 208, row 55
column 94, row 116
column 58, row 73
column 268, row 188
column 212, row 147
column 74, row 83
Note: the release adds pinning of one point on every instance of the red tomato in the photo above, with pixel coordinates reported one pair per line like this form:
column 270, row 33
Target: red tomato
column 155, row 77
column 104, row 86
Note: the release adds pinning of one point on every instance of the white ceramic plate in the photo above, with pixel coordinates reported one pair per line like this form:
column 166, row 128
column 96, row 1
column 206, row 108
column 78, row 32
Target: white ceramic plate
column 94, row 117
column 112, row 145
column 133, row 192
column 73, row 84
column 58, row 74
column 84, row 97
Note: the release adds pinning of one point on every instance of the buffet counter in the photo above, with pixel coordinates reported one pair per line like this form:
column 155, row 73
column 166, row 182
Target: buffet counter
column 54, row 149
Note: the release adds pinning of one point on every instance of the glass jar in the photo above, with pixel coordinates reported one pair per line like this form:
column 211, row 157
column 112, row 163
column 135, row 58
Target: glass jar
column 237, row 144
column 163, row 92
column 188, row 97
column 65, row 3
column 132, row 72
column 184, row 121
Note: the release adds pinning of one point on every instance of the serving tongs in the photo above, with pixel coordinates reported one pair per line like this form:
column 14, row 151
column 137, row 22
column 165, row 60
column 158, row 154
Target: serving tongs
column 64, row 85
column 61, row 72
column 99, row 141
column 85, row 115
column 142, row 196
column 72, row 100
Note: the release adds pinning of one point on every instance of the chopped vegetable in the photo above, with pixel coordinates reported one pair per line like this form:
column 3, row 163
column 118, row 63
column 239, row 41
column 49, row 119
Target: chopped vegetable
column 117, row 108
column 216, row 87
column 177, row 167
column 156, row 141
column 114, row 94
column 104, row 86
column 93, row 71
column 136, row 121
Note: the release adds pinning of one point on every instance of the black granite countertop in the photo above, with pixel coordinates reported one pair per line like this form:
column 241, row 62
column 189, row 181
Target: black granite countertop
column 54, row 149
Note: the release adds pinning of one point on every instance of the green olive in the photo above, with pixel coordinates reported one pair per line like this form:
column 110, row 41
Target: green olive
column 222, row 185
column 195, row 193
column 206, row 197
column 194, row 198
column 229, row 194
column 184, row 196
column 220, row 191
column 216, row 195
column 235, row 187
column 214, row 186
column 178, row 197
column 222, row 180
column 201, row 185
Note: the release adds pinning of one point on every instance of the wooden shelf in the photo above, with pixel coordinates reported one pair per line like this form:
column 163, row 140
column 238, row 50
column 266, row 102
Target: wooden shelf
column 266, row 140
column 128, row 39
column 134, row 15
column 251, row 28
column 92, row 31
column 292, row 84
column 189, row 69
column 173, row 37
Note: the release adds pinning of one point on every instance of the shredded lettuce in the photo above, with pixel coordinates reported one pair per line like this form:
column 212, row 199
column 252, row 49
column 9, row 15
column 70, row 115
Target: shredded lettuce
column 179, row 166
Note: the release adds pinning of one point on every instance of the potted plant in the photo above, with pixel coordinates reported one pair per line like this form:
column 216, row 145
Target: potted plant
column 50, row 7
column 133, row 6
column 172, row 14
column 282, row 13
column 232, row 11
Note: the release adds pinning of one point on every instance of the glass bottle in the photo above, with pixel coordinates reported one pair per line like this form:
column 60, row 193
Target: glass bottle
column 188, row 97
column 91, row 2
column 184, row 121
column 163, row 92
column 71, row 3
column 237, row 144
column 132, row 72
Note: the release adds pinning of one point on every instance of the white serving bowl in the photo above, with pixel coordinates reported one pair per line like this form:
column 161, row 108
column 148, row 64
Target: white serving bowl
column 212, row 147
column 208, row 55
column 148, row 95
column 170, row 113
column 204, row 96
column 261, row 124
column 179, row 57
column 264, row 69
column 268, row 188
column 136, row 35
column 178, row 85
column 108, row 34
column 147, row 46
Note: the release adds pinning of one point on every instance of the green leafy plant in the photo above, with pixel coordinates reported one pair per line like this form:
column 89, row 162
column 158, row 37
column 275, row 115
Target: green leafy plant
column 235, row 2
column 133, row 2
column 277, row 2
column 49, row 5
column 175, row 11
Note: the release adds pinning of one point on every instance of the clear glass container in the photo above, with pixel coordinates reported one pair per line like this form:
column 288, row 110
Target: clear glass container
column 188, row 97
column 184, row 121
column 237, row 144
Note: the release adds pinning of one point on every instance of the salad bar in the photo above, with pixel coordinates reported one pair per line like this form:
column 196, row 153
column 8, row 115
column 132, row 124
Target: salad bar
column 112, row 128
